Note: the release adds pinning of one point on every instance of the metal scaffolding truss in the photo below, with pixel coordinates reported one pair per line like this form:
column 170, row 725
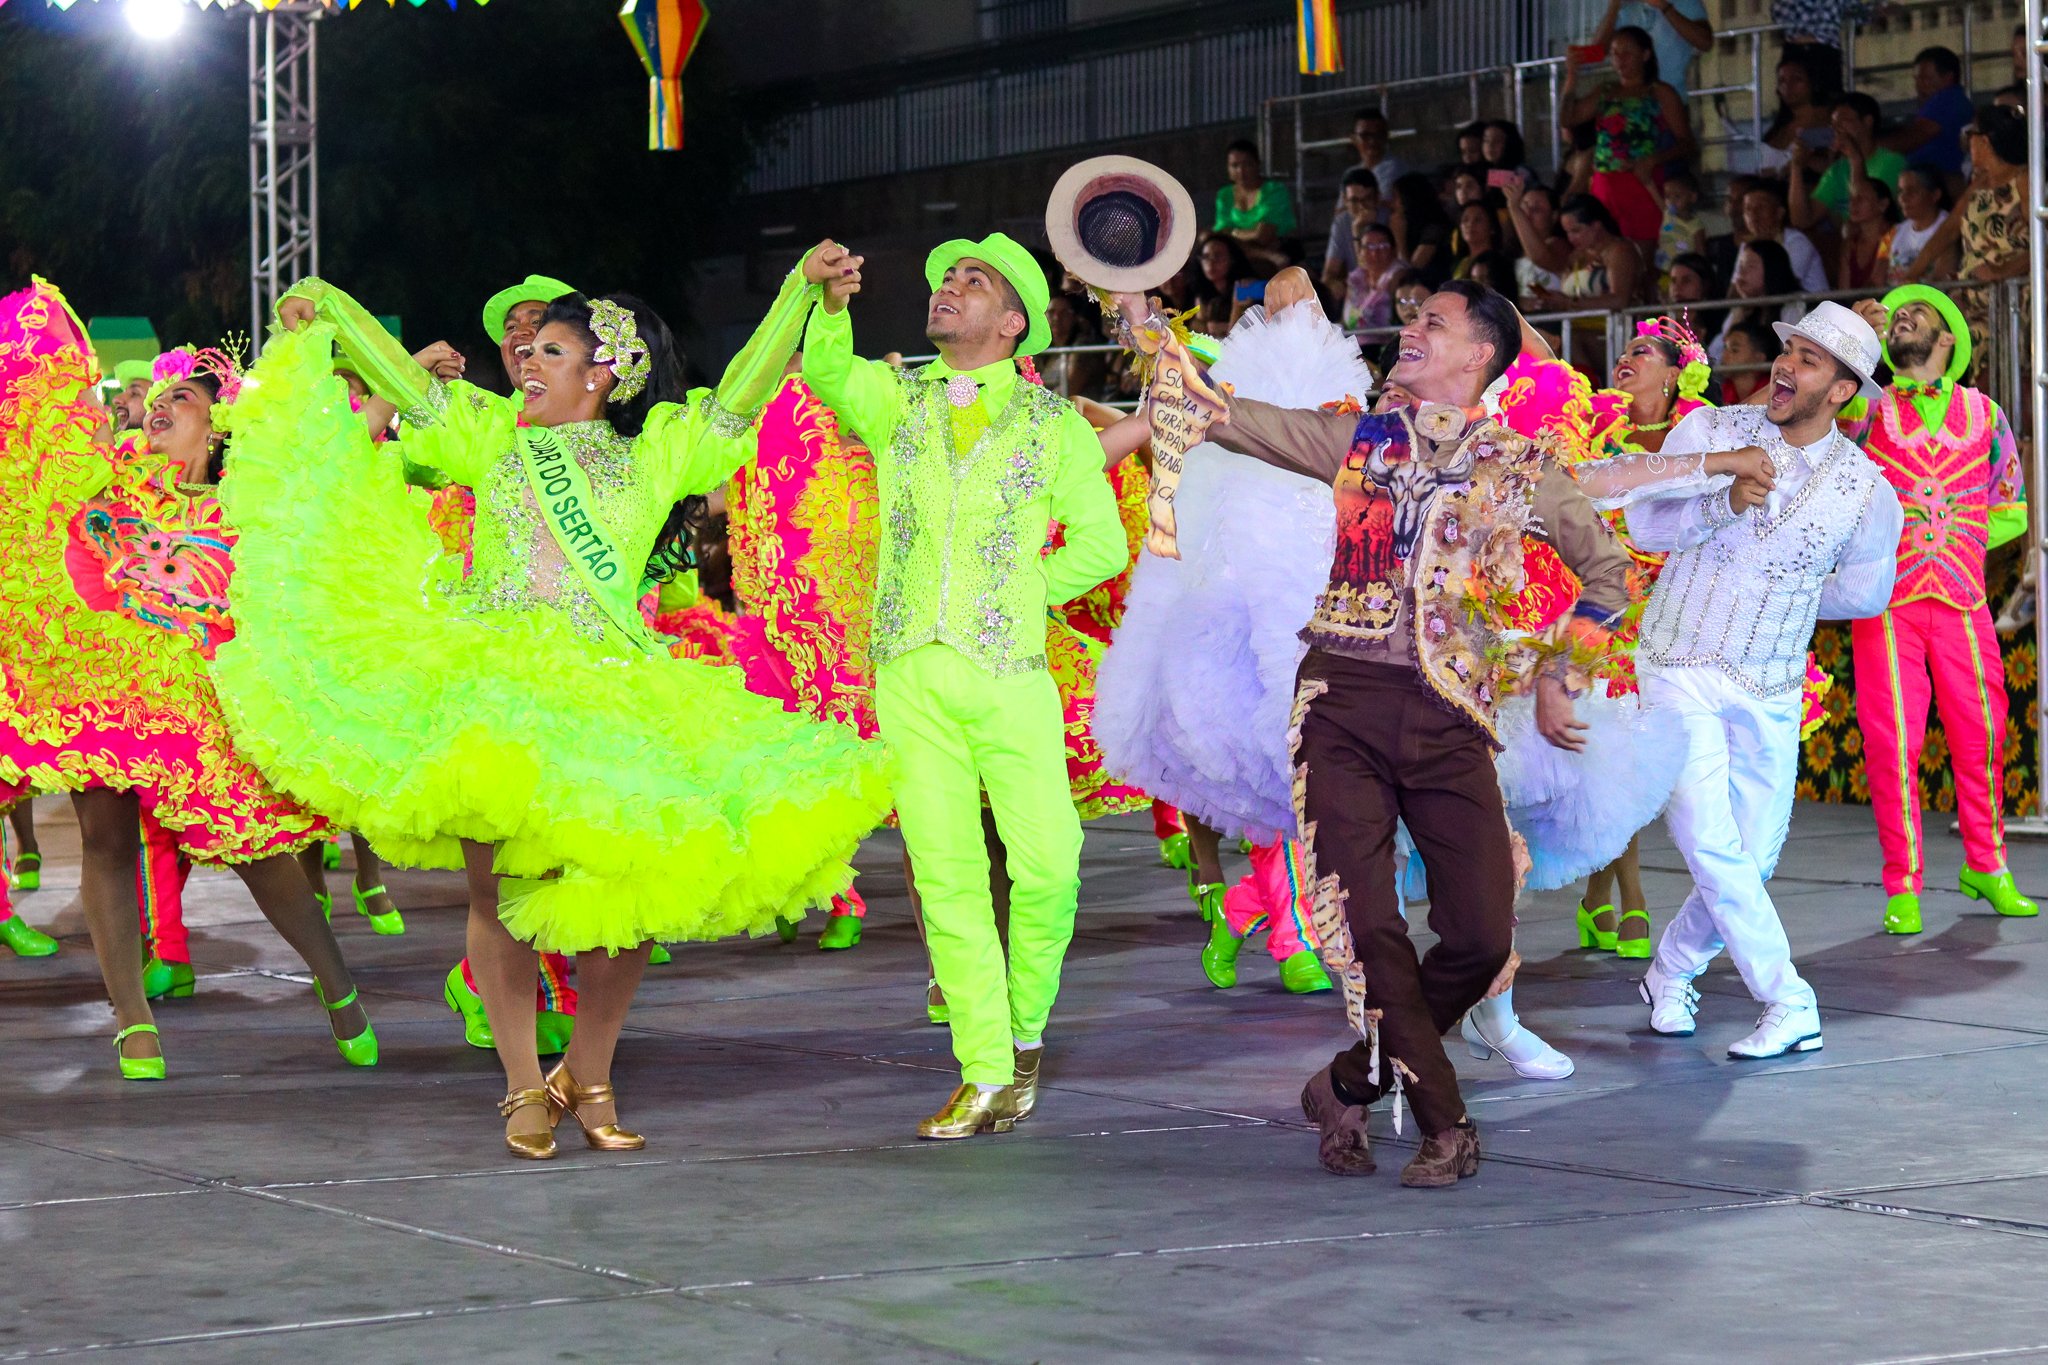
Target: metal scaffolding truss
column 284, row 157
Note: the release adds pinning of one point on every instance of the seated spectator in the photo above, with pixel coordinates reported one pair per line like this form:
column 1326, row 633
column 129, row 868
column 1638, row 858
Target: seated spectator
column 1813, row 34
column 1744, row 365
column 1689, row 283
column 1721, row 247
column 1466, row 185
column 1369, row 288
column 1422, row 231
column 1218, row 296
column 1478, row 233
column 1359, row 206
column 1606, row 270
column 1866, row 237
column 1763, row 270
column 1857, row 155
column 1066, row 373
column 1546, row 251
column 1472, row 144
column 1640, row 126
column 1801, row 130
column 1502, row 145
column 1677, row 29
column 1763, row 215
column 1923, row 208
column 1991, row 225
column 1369, row 133
column 1934, row 135
column 1495, row 269
column 1254, row 210
column 1682, row 232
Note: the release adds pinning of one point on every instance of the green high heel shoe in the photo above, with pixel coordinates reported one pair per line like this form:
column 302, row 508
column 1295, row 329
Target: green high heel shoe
column 469, row 1008
column 552, row 1031
column 139, row 1068
column 326, row 905
column 935, row 1007
column 1301, row 974
column 1591, row 935
column 1902, row 913
column 28, row 872
column 173, row 979
column 1637, row 948
column 1176, row 852
column 330, row 855
column 785, row 929
column 360, row 1050
column 389, row 923
column 1998, row 888
column 1208, row 901
column 1219, row 954
column 658, row 956
column 24, row 939
column 841, row 931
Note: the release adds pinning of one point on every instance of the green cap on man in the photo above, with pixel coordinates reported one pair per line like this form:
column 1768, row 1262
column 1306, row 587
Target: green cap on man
column 1016, row 265
column 532, row 289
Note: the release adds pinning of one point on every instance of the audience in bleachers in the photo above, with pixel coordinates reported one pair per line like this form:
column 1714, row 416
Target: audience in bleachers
column 1763, row 269
column 1934, row 135
column 1923, row 206
column 1358, row 206
column 1640, row 125
column 1678, row 30
column 1422, row 230
column 1257, row 212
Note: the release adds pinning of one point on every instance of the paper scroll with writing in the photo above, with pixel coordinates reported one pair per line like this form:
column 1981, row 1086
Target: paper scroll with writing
column 1181, row 403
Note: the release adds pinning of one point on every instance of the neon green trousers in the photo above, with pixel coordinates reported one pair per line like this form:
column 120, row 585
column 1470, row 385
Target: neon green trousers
column 952, row 730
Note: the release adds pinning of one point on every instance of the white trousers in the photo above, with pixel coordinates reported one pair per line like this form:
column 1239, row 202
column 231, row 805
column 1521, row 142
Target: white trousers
column 1729, row 816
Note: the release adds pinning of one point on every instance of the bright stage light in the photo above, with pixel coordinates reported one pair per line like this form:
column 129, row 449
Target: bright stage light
column 156, row 20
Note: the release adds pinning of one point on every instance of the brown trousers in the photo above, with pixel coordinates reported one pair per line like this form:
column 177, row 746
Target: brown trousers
column 1377, row 747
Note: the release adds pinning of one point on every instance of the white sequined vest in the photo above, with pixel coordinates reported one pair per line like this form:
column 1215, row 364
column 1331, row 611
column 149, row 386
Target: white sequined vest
column 1745, row 600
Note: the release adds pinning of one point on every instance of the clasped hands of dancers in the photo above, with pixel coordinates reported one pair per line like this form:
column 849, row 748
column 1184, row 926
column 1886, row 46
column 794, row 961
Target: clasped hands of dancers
column 1460, row 676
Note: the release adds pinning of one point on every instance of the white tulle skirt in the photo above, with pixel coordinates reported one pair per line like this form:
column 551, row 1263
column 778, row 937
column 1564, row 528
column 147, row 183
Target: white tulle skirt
column 1193, row 698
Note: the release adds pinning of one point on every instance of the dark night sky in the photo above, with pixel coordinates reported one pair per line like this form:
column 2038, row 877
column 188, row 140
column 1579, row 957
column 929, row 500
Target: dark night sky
column 459, row 151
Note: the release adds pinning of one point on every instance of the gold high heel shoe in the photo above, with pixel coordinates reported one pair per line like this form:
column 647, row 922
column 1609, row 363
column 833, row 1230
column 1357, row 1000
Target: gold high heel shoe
column 564, row 1095
column 532, row 1146
column 973, row 1111
column 1026, row 1084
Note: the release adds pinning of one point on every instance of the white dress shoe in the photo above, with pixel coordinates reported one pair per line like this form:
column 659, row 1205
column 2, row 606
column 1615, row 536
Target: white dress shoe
column 1491, row 1026
column 1672, row 1002
column 1792, row 1026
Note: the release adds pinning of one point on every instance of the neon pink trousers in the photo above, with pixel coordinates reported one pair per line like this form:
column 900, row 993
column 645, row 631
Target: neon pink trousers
column 1276, row 892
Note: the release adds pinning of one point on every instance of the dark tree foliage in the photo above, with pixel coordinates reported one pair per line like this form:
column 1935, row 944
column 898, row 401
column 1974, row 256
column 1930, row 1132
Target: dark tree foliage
column 459, row 151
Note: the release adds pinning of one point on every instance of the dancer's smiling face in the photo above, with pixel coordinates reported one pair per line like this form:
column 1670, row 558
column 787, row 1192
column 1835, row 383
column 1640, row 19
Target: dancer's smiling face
column 1916, row 331
column 559, row 380
column 1806, row 380
column 972, row 307
column 1442, row 357
column 1645, row 370
column 180, row 425
column 522, row 321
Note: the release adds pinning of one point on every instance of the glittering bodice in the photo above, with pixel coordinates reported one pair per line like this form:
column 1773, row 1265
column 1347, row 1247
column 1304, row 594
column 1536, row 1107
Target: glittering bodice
column 519, row 563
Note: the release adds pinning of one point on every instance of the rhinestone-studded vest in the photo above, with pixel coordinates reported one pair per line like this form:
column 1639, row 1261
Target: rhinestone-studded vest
column 963, row 531
column 1745, row 600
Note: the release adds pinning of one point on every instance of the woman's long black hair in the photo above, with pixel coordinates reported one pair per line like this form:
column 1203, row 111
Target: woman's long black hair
column 672, row 553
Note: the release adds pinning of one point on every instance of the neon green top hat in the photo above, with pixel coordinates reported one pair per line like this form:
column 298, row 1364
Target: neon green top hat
column 1959, row 359
column 532, row 289
column 1010, row 260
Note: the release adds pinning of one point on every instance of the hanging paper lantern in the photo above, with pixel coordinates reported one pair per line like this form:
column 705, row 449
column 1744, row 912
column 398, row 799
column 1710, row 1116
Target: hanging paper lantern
column 1318, row 38
column 664, row 33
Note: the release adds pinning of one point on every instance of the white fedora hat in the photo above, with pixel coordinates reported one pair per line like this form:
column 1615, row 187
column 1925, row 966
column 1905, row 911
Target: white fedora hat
column 1843, row 335
column 1120, row 224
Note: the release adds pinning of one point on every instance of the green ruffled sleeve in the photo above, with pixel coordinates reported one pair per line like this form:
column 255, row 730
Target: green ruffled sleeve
column 696, row 446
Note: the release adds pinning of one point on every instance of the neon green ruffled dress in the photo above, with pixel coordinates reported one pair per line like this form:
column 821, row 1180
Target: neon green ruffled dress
column 510, row 707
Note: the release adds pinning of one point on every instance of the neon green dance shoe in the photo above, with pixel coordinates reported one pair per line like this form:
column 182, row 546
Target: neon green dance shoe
column 172, row 979
column 469, row 1008
column 1303, row 975
column 1176, row 852
column 552, row 1031
column 360, row 1050
column 389, row 923
column 1637, row 948
column 1219, row 954
column 28, row 872
column 841, row 931
column 1902, row 913
column 330, row 855
column 658, row 956
column 139, row 1068
column 1998, row 888
column 1208, row 901
column 1591, row 935
column 25, row 939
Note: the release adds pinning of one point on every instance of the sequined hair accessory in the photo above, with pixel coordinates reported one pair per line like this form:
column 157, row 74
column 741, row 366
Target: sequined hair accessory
column 224, row 362
column 620, row 347
column 1693, row 367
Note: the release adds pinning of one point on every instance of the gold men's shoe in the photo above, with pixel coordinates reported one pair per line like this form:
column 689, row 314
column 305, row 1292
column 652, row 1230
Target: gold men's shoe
column 565, row 1097
column 532, row 1146
column 1026, row 1086
column 973, row 1111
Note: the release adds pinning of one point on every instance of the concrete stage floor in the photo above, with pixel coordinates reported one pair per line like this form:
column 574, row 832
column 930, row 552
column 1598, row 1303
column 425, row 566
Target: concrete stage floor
column 1885, row 1199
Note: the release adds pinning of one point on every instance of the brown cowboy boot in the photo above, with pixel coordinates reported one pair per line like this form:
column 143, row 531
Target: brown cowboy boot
column 1444, row 1158
column 1343, row 1149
